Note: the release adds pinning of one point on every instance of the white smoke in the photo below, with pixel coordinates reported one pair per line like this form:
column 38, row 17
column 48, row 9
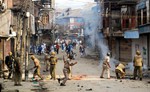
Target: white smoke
column 93, row 25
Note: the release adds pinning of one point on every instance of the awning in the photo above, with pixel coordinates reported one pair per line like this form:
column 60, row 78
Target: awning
column 131, row 34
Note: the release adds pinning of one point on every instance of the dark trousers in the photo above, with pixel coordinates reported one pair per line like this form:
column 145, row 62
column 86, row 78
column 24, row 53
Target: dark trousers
column 138, row 71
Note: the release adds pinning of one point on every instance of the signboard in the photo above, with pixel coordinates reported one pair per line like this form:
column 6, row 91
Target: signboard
column 32, row 25
column 141, row 5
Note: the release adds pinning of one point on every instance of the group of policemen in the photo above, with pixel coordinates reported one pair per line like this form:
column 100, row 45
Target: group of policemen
column 14, row 66
column 120, row 67
column 52, row 61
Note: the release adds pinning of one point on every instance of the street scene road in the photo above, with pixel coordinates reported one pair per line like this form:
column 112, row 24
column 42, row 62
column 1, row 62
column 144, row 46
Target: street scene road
column 85, row 77
column 74, row 45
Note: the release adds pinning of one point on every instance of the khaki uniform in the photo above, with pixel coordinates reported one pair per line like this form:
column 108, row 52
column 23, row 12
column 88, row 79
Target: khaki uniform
column 37, row 67
column 53, row 62
column 138, row 63
column 66, row 71
column 46, row 62
column 17, row 71
column 120, row 73
column 106, row 67
column 9, row 62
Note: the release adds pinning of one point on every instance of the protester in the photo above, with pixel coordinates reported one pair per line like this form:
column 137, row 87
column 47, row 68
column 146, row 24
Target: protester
column 106, row 66
column 39, row 50
column 71, row 55
column 57, row 48
column 82, row 50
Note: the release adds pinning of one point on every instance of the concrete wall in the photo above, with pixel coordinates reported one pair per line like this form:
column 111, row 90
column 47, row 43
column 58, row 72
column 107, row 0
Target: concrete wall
column 5, row 22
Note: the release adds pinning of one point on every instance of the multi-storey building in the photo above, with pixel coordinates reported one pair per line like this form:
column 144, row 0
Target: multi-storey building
column 46, row 21
column 126, row 28
column 17, row 22
column 6, row 28
column 72, row 23
column 143, row 24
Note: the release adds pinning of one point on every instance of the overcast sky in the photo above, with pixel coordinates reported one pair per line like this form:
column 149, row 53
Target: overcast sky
column 71, row 3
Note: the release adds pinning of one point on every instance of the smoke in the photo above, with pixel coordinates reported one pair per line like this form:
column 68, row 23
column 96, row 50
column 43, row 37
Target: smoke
column 93, row 35
column 94, row 38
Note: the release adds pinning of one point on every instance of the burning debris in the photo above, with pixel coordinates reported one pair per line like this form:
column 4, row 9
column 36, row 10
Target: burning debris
column 79, row 77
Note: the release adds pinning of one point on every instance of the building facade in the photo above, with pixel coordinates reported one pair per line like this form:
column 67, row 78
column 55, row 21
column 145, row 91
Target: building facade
column 126, row 28
column 143, row 22
column 6, row 28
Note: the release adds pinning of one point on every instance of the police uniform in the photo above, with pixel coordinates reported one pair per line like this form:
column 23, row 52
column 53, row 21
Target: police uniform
column 106, row 67
column 138, row 63
column 17, row 72
column 37, row 67
column 120, row 71
column 9, row 62
column 53, row 62
column 47, row 64
column 66, row 71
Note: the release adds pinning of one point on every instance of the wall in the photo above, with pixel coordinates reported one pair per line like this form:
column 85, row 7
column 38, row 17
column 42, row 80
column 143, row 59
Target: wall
column 125, row 50
column 141, row 44
column 9, row 3
column 5, row 22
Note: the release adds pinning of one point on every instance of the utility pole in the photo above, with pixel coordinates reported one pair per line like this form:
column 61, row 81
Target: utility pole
column 25, row 40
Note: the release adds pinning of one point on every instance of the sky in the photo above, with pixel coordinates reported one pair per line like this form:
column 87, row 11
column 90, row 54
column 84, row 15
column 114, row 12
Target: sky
column 71, row 3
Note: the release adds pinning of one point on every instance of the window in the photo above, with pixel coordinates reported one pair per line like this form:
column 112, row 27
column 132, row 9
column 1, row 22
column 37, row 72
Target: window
column 127, row 23
column 144, row 16
column 139, row 17
column 45, row 19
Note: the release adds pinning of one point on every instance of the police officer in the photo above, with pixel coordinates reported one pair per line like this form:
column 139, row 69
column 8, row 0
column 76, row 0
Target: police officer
column 46, row 62
column 17, row 71
column 120, row 70
column 106, row 66
column 37, row 67
column 53, row 61
column 138, row 63
column 9, row 62
column 66, row 71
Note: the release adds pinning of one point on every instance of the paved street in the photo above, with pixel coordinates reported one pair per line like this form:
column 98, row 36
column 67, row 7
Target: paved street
column 85, row 78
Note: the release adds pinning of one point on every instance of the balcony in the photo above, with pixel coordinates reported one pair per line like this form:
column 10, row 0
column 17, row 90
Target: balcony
column 127, row 2
column 118, row 34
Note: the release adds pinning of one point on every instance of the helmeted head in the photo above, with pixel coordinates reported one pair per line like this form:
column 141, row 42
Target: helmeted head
column 32, row 57
column 108, row 53
column 10, row 53
column 138, row 52
column 53, row 53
